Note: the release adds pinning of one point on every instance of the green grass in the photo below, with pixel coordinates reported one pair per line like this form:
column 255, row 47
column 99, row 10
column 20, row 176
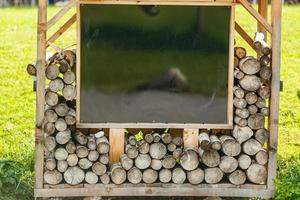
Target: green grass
column 17, row 101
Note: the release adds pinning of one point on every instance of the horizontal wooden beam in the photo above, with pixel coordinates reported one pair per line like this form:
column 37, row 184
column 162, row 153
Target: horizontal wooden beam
column 256, row 15
column 153, row 125
column 164, row 2
column 60, row 13
column 244, row 35
column 224, row 190
column 61, row 30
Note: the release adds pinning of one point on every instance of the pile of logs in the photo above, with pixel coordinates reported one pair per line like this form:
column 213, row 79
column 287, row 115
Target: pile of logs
column 157, row 158
column 74, row 158
column 70, row 156
column 237, row 156
column 220, row 158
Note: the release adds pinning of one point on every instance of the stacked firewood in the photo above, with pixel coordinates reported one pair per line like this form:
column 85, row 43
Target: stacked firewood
column 70, row 156
column 237, row 157
column 75, row 156
column 251, row 94
column 162, row 158
column 156, row 157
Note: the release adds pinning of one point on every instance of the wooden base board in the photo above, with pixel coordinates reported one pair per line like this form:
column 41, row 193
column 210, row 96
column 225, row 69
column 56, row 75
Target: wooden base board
column 223, row 190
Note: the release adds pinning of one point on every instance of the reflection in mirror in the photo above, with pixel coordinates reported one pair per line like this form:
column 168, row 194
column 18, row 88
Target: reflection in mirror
column 163, row 64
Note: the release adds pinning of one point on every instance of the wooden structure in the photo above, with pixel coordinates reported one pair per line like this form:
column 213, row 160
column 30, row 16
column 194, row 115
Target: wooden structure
column 190, row 135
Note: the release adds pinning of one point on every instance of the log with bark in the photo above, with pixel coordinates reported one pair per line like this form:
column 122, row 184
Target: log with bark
column 69, row 77
column 157, row 150
column 63, row 137
column 52, row 72
column 215, row 142
column 74, row 175
column 204, row 141
column 150, row 176
column 134, row 175
column 213, row 175
column 250, row 82
column 244, row 161
column 211, row 158
column 240, row 52
column 131, row 151
column 50, row 116
column 165, row 175
column 242, row 134
column 142, row 161
column 262, row 135
column 239, row 92
column 257, row 174
column 56, row 85
column 251, row 147
column 249, row 65
column 178, row 175
column 261, row 157
column 230, row 146
column 118, row 174
column 99, row 168
column 238, row 177
column 52, row 177
column 256, row 121
column 31, row 69
column 126, row 162
column 189, row 159
column 228, row 164
column 195, row 176
column 91, row 177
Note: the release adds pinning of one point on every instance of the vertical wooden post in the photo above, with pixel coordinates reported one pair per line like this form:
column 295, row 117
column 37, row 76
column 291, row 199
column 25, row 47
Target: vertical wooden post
column 275, row 89
column 190, row 138
column 263, row 10
column 40, row 92
column 116, row 142
column 230, row 67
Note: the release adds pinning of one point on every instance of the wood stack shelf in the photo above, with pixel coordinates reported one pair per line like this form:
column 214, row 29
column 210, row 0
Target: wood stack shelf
column 190, row 133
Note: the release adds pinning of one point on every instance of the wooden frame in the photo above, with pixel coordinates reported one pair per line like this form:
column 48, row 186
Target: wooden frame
column 227, row 125
column 246, row 190
column 224, row 190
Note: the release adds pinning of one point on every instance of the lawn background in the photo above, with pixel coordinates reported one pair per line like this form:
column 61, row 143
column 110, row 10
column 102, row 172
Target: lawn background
column 17, row 100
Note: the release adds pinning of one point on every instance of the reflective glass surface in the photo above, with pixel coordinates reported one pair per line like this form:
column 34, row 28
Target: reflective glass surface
column 163, row 64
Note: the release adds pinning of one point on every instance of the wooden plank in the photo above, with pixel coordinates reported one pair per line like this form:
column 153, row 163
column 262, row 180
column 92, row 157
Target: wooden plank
column 256, row 15
column 275, row 89
column 39, row 159
column 154, row 190
column 62, row 186
column 40, row 92
column 184, row 185
column 190, row 138
column 165, row 2
column 116, row 142
column 60, row 14
column 263, row 11
column 78, row 70
column 230, row 69
column 153, row 125
column 61, row 30
column 244, row 35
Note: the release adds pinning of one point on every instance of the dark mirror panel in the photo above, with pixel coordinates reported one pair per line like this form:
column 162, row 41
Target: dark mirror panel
column 163, row 64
